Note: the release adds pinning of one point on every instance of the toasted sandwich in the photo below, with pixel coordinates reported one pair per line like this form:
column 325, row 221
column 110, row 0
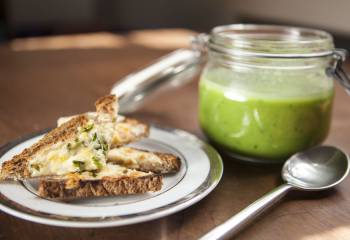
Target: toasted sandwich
column 80, row 144
column 84, row 157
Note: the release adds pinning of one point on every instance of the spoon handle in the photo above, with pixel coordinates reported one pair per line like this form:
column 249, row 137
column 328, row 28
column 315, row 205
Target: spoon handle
column 238, row 221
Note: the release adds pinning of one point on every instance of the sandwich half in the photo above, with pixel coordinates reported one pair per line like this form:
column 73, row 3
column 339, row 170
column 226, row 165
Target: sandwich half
column 128, row 171
column 111, row 180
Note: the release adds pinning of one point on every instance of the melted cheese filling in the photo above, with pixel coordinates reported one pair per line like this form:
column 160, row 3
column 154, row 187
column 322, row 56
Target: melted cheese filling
column 112, row 170
column 87, row 152
column 59, row 160
column 132, row 157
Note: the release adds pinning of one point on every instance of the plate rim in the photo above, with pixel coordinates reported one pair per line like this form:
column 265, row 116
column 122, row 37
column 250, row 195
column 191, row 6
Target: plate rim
column 213, row 178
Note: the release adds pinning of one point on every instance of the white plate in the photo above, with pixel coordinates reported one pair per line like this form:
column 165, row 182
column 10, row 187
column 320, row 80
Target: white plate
column 200, row 172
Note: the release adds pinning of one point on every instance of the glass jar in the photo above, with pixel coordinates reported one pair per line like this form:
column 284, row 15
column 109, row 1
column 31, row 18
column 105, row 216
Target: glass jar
column 265, row 93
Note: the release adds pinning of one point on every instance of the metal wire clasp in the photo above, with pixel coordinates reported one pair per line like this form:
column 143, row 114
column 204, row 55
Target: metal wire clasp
column 200, row 42
column 336, row 70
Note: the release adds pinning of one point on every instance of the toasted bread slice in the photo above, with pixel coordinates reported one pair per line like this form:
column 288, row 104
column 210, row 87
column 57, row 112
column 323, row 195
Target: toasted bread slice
column 144, row 160
column 79, row 144
column 128, row 171
column 114, row 180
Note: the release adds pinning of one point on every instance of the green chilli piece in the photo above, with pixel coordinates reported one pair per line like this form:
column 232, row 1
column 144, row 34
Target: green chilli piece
column 69, row 146
column 94, row 137
column 36, row 167
column 93, row 173
column 88, row 128
column 79, row 164
column 74, row 145
column 97, row 162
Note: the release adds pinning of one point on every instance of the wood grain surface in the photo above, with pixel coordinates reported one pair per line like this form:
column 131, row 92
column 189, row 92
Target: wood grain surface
column 38, row 86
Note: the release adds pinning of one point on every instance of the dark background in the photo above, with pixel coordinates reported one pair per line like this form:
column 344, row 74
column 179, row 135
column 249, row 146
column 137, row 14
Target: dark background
column 21, row 18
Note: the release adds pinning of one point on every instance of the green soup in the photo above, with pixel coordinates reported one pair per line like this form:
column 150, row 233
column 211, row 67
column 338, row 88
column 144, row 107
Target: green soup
column 268, row 125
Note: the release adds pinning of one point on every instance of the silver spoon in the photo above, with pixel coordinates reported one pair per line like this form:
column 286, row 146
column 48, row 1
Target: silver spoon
column 315, row 169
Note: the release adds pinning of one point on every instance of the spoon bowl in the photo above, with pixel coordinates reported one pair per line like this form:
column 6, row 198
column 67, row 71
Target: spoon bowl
column 315, row 169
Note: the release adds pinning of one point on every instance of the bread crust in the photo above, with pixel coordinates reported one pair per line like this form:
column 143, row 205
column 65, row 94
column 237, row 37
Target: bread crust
column 170, row 163
column 107, row 186
column 107, row 104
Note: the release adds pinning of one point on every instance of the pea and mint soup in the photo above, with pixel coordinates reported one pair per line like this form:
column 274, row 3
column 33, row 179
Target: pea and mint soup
column 263, row 117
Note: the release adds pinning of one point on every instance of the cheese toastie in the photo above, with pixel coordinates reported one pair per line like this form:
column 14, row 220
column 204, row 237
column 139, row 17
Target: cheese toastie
column 85, row 156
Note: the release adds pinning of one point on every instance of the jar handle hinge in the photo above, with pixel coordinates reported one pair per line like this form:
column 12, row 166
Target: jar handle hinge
column 336, row 70
column 172, row 70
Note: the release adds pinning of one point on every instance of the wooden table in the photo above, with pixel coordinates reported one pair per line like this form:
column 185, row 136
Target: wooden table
column 39, row 85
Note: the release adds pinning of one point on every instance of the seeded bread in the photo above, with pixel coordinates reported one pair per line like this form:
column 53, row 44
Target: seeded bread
column 107, row 186
column 150, row 163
